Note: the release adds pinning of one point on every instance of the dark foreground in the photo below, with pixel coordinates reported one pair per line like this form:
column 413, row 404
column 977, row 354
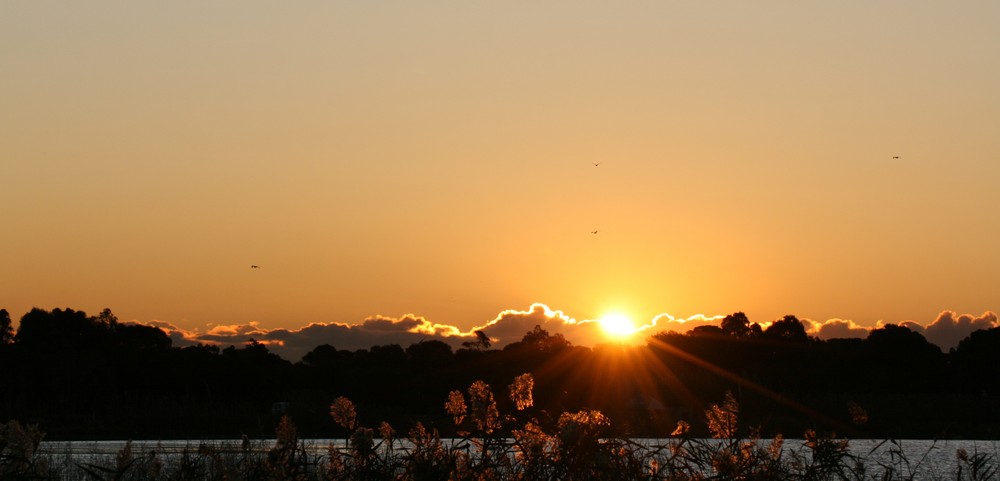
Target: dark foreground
column 577, row 446
column 83, row 377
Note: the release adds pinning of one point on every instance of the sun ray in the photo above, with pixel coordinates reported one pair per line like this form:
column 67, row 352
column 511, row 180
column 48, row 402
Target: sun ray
column 617, row 326
column 664, row 347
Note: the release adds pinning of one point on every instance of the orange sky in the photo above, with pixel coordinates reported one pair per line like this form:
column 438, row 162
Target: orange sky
column 436, row 158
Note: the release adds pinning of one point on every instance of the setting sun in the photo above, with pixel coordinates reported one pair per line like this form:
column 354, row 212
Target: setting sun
column 617, row 325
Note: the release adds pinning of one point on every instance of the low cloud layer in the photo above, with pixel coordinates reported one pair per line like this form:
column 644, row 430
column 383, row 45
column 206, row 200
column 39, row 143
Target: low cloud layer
column 950, row 328
column 836, row 329
column 511, row 325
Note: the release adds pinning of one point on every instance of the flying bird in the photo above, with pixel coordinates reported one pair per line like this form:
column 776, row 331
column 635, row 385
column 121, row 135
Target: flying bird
column 596, row 164
column 255, row 267
column 593, row 232
column 895, row 156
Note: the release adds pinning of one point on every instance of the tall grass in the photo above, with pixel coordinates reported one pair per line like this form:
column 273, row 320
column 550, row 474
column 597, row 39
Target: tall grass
column 524, row 444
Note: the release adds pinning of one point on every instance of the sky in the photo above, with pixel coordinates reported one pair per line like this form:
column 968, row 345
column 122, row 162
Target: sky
column 435, row 160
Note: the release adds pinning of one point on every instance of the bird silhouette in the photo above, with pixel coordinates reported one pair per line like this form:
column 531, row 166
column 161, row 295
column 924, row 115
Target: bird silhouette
column 596, row 164
column 593, row 232
column 895, row 156
column 255, row 267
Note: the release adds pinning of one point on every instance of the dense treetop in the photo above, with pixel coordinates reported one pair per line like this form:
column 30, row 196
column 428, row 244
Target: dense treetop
column 81, row 376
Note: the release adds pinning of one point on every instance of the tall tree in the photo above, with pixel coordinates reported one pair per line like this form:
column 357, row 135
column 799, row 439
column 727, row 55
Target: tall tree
column 58, row 330
column 543, row 341
column 107, row 319
column 6, row 331
column 736, row 324
column 481, row 343
column 788, row 328
column 429, row 353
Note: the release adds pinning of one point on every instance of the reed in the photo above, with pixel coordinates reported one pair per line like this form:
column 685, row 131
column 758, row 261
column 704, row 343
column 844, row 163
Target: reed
column 522, row 445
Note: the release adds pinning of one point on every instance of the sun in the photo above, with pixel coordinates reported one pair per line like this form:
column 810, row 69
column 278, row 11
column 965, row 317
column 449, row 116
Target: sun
column 617, row 325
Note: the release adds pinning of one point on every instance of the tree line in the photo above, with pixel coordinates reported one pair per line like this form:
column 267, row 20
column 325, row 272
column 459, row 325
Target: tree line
column 90, row 377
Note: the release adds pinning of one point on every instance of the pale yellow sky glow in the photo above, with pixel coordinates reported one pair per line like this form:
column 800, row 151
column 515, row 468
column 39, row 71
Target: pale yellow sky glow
column 832, row 161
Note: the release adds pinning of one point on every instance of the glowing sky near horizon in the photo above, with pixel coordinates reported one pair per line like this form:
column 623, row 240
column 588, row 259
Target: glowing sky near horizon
column 437, row 158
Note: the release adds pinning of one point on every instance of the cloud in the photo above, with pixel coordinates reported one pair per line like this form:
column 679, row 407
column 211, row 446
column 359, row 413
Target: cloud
column 166, row 326
column 409, row 323
column 178, row 337
column 911, row 325
column 946, row 331
column 235, row 330
column 292, row 344
column 950, row 328
column 666, row 322
column 837, row 329
column 511, row 325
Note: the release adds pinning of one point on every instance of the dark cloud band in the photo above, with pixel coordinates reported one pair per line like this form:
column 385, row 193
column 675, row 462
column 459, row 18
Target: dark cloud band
column 511, row 325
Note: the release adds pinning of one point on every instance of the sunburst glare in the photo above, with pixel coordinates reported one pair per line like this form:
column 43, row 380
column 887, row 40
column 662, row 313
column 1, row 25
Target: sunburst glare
column 617, row 326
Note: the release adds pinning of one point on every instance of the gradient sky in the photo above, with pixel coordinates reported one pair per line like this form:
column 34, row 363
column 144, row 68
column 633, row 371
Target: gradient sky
column 436, row 158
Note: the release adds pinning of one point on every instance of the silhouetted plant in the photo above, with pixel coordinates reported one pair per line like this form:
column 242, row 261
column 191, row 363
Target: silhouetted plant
column 189, row 467
column 363, row 458
column 427, row 459
column 725, row 456
column 586, row 450
column 520, row 391
column 579, row 445
column 127, row 466
column 858, row 414
column 6, row 329
column 19, row 459
column 343, row 413
column 722, row 418
column 481, row 416
column 975, row 467
column 288, row 459
column 535, row 452
column 895, row 464
column 482, row 408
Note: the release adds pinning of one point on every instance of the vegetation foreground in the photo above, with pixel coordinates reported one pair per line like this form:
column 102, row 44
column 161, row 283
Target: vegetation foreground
column 525, row 444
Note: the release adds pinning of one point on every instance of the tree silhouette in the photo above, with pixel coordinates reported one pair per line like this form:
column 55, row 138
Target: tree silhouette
column 707, row 331
column 541, row 340
column 139, row 337
column 906, row 361
column 323, row 355
column 107, row 319
column 429, row 353
column 481, row 343
column 788, row 328
column 59, row 330
column 895, row 341
column 90, row 377
column 736, row 324
column 977, row 362
column 6, row 330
